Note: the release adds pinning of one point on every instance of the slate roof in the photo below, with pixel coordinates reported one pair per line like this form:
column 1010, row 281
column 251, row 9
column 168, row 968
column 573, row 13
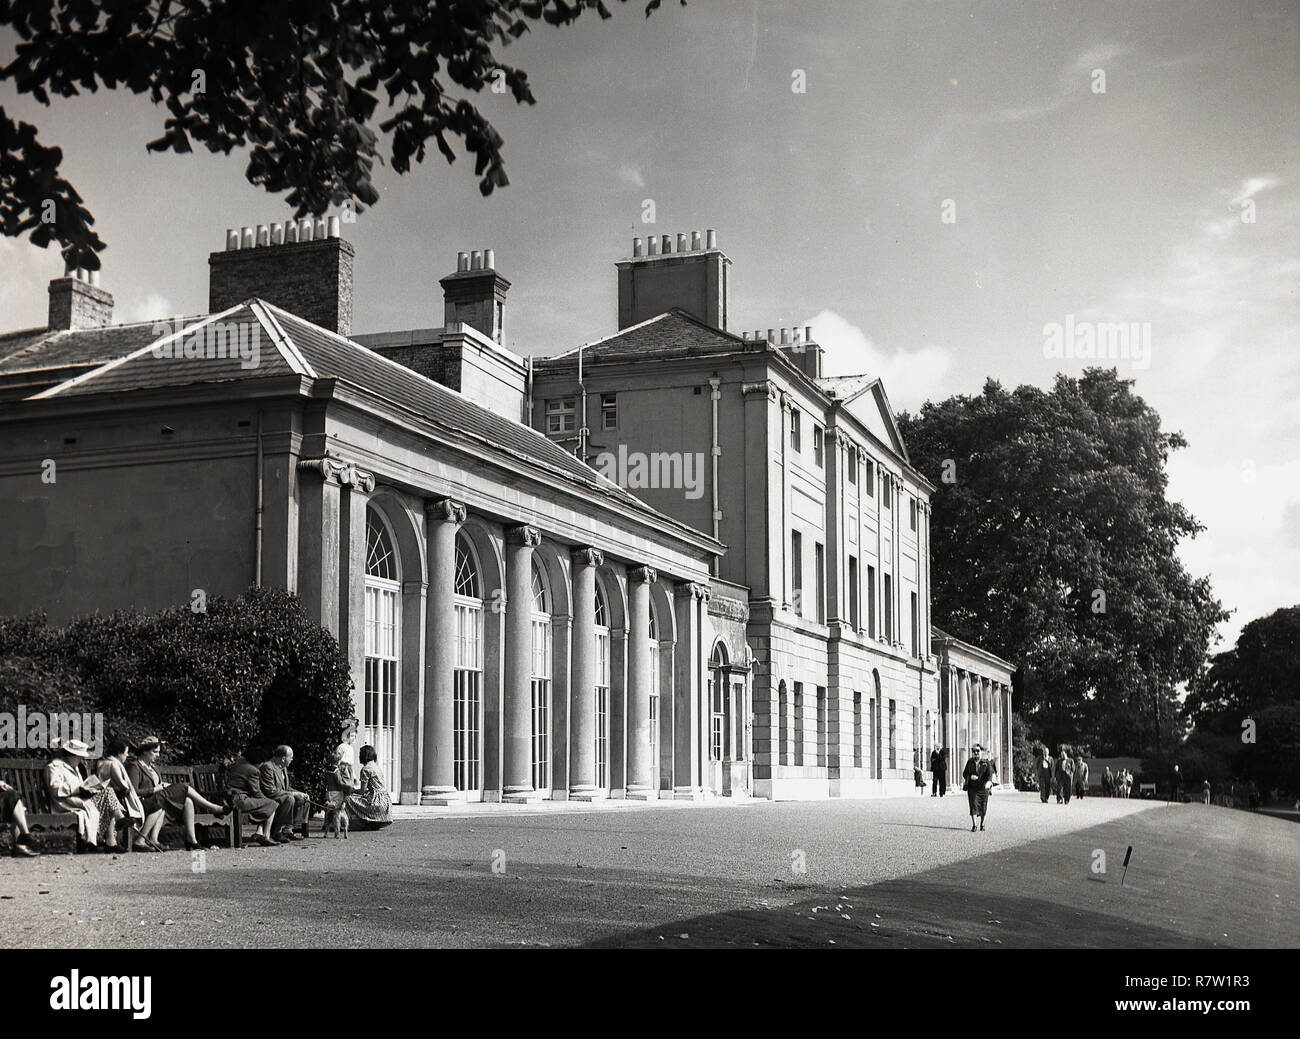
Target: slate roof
column 39, row 348
column 673, row 333
column 845, row 387
column 289, row 345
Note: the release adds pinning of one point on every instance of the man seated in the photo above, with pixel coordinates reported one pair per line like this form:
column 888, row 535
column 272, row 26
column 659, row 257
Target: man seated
column 14, row 815
column 277, row 786
column 244, row 782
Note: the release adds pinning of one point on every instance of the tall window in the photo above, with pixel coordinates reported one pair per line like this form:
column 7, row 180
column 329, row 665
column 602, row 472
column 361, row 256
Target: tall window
column 851, row 464
column 822, row 759
column 796, row 441
column 783, row 724
column 916, row 634
column 717, row 713
column 853, row 592
column 893, row 734
column 468, row 677
column 857, row 730
column 886, row 491
column 561, row 415
column 889, row 608
column 602, row 690
column 609, row 411
column 819, row 556
column 798, row 723
column 911, row 512
column 382, row 620
column 869, row 476
column 541, row 681
column 871, row 600
column 796, row 570
column 819, row 446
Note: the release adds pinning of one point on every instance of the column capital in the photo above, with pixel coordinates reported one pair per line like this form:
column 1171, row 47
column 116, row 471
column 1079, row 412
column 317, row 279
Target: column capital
column 529, row 537
column 767, row 389
column 693, row 590
column 648, row 574
column 588, row 556
column 345, row 474
column 445, row 510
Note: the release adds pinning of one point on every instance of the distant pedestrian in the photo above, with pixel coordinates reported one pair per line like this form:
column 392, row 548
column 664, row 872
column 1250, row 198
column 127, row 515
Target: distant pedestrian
column 938, row 773
column 1205, row 791
column 1080, row 776
column 1108, row 783
column 1064, row 778
column 1044, row 770
column 980, row 775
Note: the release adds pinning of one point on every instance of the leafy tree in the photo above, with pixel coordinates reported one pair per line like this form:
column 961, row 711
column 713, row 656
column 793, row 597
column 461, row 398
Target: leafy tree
column 300, row 83
column 1054, row 546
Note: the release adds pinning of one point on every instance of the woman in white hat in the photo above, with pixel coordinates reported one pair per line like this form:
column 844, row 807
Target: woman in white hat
column 97, row 808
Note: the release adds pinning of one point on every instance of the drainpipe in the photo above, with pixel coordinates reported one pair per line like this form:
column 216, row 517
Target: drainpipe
column 528, row 394
column 257, row 557
column 582, row 429
column 716, row 452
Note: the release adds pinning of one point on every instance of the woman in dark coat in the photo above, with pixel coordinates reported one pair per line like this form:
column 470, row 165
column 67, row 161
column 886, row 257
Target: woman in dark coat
column 980, row 775
column 175, row 801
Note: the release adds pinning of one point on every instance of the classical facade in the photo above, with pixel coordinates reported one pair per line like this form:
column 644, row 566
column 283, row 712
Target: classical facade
column 805, row 479
column 518, row 626
column 976, row 704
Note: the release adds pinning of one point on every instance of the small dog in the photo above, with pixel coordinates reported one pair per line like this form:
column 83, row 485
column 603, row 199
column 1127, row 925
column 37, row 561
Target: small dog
column 336, row 819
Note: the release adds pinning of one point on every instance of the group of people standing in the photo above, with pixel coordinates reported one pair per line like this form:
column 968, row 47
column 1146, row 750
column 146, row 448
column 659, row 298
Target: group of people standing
column 124, row 797
column 1116, row 784
column 1063, row 776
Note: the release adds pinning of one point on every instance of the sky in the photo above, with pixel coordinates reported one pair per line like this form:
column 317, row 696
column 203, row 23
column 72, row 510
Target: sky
column 933, row 187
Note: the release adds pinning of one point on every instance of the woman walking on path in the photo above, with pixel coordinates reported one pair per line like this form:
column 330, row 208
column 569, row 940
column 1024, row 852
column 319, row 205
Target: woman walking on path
column 980, row 775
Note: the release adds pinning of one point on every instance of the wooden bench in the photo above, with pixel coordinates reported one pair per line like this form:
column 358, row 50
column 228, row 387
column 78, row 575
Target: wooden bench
column 210, row 781
column 27, row 776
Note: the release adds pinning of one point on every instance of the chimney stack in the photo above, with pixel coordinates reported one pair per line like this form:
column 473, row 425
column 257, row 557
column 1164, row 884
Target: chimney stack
column 298, row 266
column 77, row 302
column 476, row 296
column 657, row 279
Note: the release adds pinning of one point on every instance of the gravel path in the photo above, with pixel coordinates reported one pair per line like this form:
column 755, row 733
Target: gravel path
column 565, row 878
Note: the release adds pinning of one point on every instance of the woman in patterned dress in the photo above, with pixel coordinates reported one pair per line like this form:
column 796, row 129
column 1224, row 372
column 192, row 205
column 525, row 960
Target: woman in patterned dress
column 176, row 802
column 372, row 807
column 97, row 808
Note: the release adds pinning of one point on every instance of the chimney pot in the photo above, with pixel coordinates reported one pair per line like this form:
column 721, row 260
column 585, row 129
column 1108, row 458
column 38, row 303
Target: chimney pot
column 785, row 336
column 636, row 247
column 667, row 244
column 476, row 261
column 681, row 243
column 263, row 235
column 246, row 238
column 321, row 228
column 232, row 239
column 771, row 335
column 489, row 259
column 695, row 241
column 462, row 261
column 654, row 245
column 807, row 334
column 81, row 274
column 277, row 233
column 334, row 227
column 305, row 226
column 94, row 278
column 291, row 231
column 710, row 238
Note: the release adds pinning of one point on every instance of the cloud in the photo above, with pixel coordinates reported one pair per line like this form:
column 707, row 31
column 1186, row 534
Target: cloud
column 151, row 307
column 910, row 377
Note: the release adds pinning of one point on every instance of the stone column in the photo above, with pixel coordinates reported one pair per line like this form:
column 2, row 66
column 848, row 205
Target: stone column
column 690, row 601
column 357, row 487
column 641, row 771
column 582, row 686
column 319, row 503
column 438, row 785
column 517, row 783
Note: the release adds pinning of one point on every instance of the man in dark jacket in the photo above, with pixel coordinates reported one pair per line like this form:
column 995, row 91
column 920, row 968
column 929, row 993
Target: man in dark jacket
column 1064, row 778
column 939, row 773
column 244, row 783
column 1044, row 770
column 277, row 786
column 979, row 775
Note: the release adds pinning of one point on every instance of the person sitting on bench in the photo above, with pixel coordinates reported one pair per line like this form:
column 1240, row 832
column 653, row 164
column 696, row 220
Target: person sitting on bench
column 14, row 815
column 112, row 770
column 175, row 801
column 244, row 780
column 277, row 785
column 96, row 807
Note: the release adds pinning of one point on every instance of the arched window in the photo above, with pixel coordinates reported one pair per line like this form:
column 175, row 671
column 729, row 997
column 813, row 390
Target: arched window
column 602, row 689
column 468, row 662
column 383, row 647
column 717, row 693
column 541, row 680
column 654, row 695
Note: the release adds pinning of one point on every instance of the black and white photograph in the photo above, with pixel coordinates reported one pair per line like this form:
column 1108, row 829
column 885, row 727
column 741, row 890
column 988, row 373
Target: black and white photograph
column 695, row 475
